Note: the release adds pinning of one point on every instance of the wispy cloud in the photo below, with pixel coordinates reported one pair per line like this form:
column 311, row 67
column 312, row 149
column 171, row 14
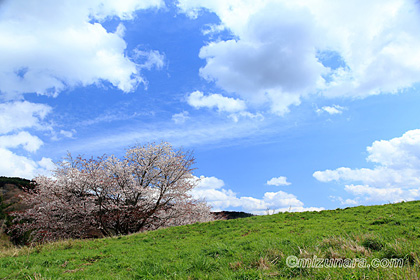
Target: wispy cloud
column 332, row 110
column 196, row 133
column 180, row 118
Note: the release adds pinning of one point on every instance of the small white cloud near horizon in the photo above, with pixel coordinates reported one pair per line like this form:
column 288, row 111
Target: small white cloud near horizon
column 278, row 181
column 343, row 201
column 395, row 177
column 211, row 189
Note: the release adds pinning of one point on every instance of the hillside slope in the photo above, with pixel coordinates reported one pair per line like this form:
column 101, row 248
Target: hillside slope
column 249, row 248
column 10, row 190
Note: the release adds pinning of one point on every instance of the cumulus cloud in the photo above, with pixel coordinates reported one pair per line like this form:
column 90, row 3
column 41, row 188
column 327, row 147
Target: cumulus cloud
column 278, row 181
column 283, row 51
column 21, row 114
column 395, row 177
column 15, row 165
column 208, row 183
column 122, row 9
column 29, row 142
column 395, row 194
column 15, row 117
column 235, row 107
column 49, row 46
column 223, row 104
column 212, row 190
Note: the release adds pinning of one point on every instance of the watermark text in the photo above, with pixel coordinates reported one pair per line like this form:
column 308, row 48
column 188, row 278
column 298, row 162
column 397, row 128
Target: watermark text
column 315, row 262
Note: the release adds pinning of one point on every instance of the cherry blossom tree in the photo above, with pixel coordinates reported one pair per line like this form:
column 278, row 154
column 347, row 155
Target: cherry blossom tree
column 148, row 188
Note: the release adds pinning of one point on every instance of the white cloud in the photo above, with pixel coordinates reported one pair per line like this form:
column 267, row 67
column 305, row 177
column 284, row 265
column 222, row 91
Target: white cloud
column 21, row 114
column 332, row 110
column 396, row 176
column 223, row 104
column 281, row 199
column 383, row 194
column 48, row 46
column 180, row 118
column 19, row 166
column 46, row 166
column 123, row 9
column 283, row 51
column 207, row 183
column 278, row 181
column 29, row 142
column 235, row 107
column 15, row 117
column 212, row 190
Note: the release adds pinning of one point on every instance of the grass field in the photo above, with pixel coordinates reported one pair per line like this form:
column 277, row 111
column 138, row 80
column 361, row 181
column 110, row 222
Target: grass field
column 249, row 248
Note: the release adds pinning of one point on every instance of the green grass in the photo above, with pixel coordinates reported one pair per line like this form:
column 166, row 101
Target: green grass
column 250, row 248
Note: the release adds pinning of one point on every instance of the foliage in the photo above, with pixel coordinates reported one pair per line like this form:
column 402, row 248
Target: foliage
column 22, row 183
column 249, row 248
column 147, row 189
column 10, row 190
column 3, row 206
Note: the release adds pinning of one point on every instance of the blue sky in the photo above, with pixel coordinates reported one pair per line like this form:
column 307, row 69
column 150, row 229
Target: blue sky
column 288, row 106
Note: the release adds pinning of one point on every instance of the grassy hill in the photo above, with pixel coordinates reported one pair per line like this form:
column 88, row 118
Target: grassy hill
column 249, row 248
